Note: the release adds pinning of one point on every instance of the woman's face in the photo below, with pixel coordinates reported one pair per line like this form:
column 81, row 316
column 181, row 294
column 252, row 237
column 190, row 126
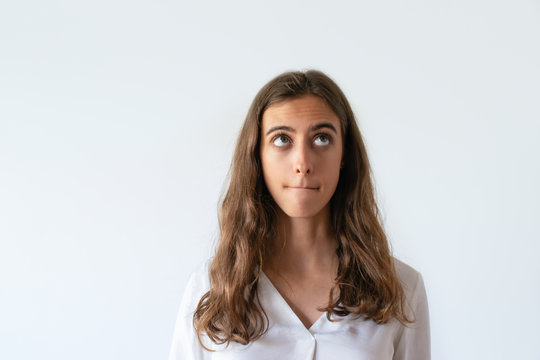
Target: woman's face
column 301, row 152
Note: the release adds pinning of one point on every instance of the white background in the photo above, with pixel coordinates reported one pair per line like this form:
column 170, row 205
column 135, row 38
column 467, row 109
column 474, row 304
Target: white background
column 118, row 121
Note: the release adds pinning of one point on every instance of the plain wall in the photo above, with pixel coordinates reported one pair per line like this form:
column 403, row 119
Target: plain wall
column 118, row 121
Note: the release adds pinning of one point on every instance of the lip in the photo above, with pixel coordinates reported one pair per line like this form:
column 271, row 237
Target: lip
column 302, row 187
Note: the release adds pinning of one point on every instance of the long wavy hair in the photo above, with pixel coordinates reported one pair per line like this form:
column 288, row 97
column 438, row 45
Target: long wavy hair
column 366, row 281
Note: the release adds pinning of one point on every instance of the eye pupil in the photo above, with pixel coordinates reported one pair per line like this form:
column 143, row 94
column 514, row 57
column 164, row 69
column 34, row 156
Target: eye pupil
column 281, row 140
column 323, row 139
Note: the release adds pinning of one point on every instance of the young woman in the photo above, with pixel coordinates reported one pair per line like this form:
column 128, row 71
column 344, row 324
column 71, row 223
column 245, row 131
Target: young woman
column 303, row 268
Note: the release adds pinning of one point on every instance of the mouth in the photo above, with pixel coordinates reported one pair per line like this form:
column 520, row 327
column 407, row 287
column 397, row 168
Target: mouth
column 302, row 187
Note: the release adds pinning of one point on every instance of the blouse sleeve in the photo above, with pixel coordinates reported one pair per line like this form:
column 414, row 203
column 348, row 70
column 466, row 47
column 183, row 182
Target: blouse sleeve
column 414, row 341
column 185, row 344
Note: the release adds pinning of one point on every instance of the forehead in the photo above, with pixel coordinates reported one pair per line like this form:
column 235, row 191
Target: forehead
column 298, row 112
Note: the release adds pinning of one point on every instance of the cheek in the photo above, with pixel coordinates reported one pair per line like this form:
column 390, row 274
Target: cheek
column 332, row 174
column 271, row 170
column 332, row 160
column 332, row 170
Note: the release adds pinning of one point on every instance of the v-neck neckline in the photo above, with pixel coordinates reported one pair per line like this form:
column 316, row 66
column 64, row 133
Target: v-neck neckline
column 292, row 313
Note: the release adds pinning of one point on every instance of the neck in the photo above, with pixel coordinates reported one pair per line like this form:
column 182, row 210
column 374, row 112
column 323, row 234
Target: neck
column 303, row 245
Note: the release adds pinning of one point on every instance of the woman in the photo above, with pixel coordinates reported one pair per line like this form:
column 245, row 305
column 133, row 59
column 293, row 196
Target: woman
column 302, row 269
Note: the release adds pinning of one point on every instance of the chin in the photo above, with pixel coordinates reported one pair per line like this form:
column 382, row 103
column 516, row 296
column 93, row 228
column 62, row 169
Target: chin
column 302, row 212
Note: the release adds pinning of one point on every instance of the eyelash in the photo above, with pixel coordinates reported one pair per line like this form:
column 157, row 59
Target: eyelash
column 328, row 136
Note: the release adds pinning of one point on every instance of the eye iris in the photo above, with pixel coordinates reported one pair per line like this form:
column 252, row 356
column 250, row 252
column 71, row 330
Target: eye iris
column 281, row 140
column 323, row 139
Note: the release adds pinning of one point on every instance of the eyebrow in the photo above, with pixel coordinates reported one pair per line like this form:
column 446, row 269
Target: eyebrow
column 313, row 128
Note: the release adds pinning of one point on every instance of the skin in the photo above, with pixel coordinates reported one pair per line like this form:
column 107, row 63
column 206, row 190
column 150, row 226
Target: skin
column 301, row 152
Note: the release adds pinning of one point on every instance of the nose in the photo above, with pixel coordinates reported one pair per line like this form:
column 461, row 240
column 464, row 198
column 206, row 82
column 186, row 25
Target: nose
column 300, row 170
column 302, row 161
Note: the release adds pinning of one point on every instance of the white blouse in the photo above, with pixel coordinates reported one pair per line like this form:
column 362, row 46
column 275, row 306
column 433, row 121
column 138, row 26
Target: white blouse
column 288, row 338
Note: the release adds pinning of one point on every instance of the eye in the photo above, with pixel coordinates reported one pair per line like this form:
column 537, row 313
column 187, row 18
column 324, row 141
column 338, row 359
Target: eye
column 322, row 140
column 281, row 140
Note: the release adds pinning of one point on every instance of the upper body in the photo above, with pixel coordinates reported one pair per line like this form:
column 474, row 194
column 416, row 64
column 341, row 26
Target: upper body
column 288, row 338
column 301, row 243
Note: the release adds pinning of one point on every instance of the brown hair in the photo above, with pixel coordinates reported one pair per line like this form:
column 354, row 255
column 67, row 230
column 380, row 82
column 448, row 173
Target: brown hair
column 367, row 281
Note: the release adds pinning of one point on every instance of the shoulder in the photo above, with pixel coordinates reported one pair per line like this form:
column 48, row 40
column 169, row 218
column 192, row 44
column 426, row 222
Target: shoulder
column 200, row 272
column 406, row 273
column 413, row 341
column 185, row 344
column 198, row 283
column 411, row 280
